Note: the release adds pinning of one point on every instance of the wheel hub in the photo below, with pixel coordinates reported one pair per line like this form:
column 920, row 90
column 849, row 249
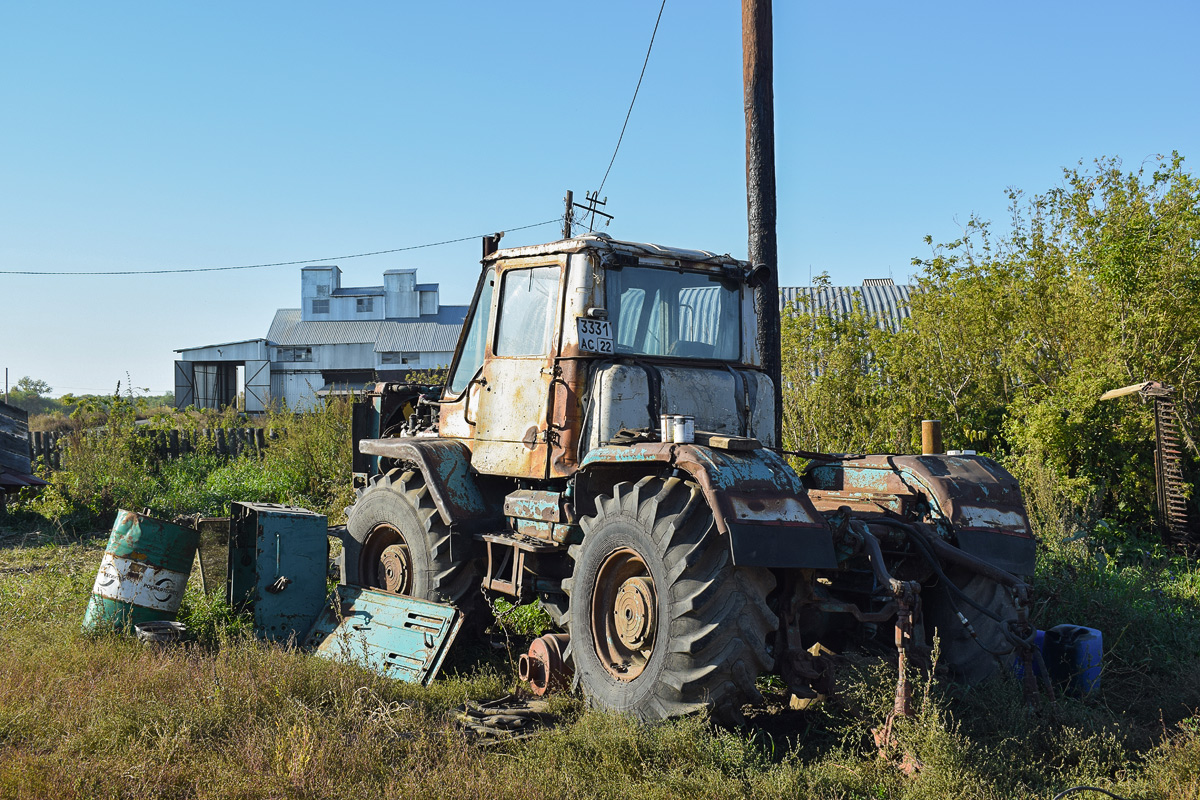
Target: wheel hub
column 386, row 560
column 624, row 617
column 395, row 569
column 634, row 612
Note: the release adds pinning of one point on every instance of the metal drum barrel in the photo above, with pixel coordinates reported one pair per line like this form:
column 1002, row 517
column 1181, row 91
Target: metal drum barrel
column 143, row 573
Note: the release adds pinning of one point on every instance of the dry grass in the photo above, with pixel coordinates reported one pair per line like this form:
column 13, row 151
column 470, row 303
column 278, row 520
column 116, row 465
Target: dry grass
column 96, row 717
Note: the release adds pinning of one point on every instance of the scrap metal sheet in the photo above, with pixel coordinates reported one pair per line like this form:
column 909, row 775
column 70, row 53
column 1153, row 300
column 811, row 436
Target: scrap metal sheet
column 399, row 637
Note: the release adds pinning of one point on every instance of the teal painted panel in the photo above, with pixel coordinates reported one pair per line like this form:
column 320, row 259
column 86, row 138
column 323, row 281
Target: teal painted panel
column 396, row 636
column 278, row 567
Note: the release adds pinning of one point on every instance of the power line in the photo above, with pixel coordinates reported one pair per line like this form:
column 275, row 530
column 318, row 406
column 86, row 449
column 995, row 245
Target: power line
column 277, row 263
column 634, row 100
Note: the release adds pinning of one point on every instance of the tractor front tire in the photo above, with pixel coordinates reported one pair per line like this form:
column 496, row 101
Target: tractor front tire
column 661, row 622
column 397, row 542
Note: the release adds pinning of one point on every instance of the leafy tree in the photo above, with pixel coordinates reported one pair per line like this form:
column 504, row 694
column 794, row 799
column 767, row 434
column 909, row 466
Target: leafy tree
column 29, row 393
column 1015, row 334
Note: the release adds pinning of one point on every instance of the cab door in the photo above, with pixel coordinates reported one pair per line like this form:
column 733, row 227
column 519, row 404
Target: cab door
column 518, row 373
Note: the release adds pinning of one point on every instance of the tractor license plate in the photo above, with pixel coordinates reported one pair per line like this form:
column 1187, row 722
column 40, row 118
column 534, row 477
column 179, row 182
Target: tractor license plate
column 595, row 335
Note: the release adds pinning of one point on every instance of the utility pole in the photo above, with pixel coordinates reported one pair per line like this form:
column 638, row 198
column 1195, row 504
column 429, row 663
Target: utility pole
column 759, row 96
column 569, row 217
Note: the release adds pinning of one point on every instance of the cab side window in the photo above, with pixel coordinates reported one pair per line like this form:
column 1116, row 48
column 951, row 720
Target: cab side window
column 471, row 358
column 528, row 301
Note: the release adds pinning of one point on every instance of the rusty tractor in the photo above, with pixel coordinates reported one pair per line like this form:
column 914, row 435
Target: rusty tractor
column 677, row 571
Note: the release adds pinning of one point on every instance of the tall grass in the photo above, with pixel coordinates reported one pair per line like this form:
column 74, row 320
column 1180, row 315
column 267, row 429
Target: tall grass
column 229, row 717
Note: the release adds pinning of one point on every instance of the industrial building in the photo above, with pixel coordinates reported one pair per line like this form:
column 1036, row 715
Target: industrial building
column 339, row 338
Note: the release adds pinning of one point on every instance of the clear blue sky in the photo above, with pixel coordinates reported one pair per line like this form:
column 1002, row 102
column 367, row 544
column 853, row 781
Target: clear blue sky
column 157, row 135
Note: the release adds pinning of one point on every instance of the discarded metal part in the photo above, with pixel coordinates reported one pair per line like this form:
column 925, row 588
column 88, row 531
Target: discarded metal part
column 399, row 637
column 160, row 631
column 278, row 563
column 1175, row 516
column 543, row 667
column 212, row 556
column 143, row 573
column 507, row 719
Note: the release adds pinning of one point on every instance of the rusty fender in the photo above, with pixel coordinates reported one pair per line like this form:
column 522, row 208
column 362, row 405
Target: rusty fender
column 757, row 501
column 446, row 466
column 975, row 497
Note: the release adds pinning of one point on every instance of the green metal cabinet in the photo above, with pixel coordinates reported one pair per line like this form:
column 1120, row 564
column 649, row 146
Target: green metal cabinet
column 278, row 563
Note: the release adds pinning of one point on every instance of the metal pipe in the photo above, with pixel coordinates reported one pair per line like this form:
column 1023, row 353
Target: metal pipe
column 931, row 436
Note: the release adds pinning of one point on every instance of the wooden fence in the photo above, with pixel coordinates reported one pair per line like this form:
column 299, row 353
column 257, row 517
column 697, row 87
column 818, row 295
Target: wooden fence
column 47, row 447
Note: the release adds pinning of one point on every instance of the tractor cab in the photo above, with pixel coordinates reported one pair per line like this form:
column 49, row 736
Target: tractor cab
column 570, row 343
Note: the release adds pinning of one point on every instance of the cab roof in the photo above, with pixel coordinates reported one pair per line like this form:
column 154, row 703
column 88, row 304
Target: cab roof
column 604, row 243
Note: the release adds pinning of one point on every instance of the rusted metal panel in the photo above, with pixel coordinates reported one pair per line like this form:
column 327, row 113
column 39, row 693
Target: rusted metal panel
column 446, row 465
column 570, row 377
column 979, row 499
column 398, row 637
column 513, row 430
column 559, row 532
column 863, row 502
column 532, row 504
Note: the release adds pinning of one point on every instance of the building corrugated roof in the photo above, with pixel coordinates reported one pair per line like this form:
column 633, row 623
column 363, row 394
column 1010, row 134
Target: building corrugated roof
column 430, row 333
column 412, row 337
column 288, row 329
column 887, row 304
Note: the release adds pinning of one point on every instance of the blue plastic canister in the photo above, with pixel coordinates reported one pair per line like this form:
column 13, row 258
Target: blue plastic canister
column 1018, row 666
column 1073, row 658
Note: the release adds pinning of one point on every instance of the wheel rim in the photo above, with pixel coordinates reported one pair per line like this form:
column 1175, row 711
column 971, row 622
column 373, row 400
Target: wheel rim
column 387, row 560
column 624, row 618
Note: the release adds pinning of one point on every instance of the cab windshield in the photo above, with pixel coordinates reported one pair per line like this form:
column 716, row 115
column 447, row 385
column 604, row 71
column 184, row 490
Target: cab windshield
column 660, row 312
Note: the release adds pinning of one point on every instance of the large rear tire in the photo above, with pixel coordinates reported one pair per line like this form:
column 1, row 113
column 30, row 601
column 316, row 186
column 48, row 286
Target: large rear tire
column 662, row 623
column 398, row 543
column 969, row 659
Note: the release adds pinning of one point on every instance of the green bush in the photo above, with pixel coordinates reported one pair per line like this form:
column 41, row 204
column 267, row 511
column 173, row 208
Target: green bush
column 307, row 463
column 1014, row 336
